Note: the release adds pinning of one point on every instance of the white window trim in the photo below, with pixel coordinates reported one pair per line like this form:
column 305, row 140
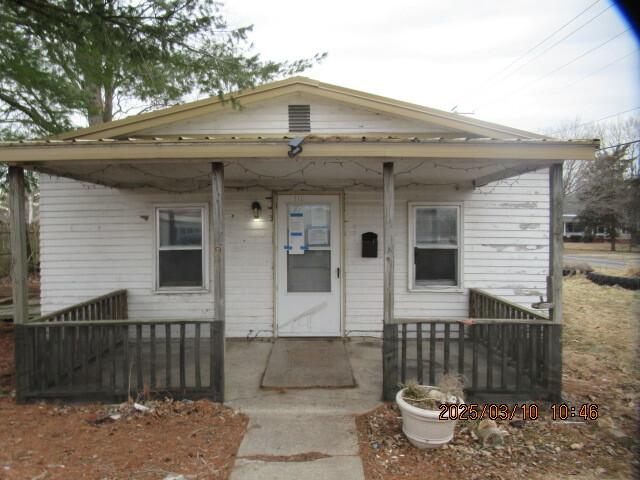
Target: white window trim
column 205, row 248
column 411, row 208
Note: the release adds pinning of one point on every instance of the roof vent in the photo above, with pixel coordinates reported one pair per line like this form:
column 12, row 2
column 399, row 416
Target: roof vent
column 299, row 118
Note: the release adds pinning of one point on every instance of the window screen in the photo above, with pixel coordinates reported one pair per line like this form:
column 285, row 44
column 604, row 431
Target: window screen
column 180, row 247
column 435, row 246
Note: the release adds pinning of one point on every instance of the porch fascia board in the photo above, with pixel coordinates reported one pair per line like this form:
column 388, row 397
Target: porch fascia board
column 186, row 150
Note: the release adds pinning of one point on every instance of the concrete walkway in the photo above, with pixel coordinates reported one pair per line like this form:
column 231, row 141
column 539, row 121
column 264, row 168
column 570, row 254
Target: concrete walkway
column 300, row 434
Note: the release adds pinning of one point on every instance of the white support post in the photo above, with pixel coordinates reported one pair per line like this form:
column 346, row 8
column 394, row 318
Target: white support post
column 390, row 328
column 218, row 324
column 19, row 269
column 554, row 283
column 18, row 239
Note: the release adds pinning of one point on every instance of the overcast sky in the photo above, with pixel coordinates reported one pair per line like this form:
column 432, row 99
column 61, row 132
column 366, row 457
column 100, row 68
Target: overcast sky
column 450, row 53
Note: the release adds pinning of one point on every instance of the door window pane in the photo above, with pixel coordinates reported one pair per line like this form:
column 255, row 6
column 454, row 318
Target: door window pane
column 436, row 226
column 317, row 224
column 180, row 268
column 180, row 227
column 309, row 272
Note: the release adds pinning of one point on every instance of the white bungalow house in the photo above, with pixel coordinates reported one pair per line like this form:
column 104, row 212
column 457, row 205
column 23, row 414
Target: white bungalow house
column 303, row 209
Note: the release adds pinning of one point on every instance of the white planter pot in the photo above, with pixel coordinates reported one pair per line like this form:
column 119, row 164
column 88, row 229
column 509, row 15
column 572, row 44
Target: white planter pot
column 424, row 428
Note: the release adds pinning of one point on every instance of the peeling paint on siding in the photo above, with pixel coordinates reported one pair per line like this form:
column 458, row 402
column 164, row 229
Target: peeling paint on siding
column 528, row 292
column 529, row 226
column 519, row 205
column 498, row 247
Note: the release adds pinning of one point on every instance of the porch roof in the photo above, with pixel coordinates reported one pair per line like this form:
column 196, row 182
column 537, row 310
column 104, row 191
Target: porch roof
column 379, row 146
column 325, row 161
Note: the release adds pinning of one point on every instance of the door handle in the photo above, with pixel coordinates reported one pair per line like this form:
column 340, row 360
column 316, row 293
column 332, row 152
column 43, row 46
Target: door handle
column 338, row 271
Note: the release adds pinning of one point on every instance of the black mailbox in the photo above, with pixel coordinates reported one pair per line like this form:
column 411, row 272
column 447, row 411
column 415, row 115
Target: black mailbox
column 369, row 245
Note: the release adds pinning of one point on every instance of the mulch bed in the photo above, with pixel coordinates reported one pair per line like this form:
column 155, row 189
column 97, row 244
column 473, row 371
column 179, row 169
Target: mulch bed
column 197, row 439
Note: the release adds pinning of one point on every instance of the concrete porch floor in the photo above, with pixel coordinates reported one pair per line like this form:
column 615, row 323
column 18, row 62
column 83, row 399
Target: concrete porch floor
column 245, row 363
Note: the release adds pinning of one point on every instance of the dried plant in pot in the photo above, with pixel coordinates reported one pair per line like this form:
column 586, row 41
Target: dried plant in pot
column 422, row 422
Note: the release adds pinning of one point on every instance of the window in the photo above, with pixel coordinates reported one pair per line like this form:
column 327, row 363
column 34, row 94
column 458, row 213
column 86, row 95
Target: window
column 434, row 246
column 180, row 241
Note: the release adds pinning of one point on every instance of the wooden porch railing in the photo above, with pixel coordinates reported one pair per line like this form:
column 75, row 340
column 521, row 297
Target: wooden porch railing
column 502, row 352
column 111, row 306
column 82, row 353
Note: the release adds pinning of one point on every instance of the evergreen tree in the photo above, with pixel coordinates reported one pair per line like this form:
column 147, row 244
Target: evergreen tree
column 66, row 60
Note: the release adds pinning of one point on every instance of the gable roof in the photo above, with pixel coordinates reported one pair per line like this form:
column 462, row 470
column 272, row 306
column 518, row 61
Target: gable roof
column 127, row 126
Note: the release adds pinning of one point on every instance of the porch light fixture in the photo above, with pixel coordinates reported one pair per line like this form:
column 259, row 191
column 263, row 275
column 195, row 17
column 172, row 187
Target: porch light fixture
column 257, row 208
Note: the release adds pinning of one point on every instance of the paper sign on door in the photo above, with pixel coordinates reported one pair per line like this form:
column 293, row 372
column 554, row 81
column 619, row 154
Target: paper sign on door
column 296, row 233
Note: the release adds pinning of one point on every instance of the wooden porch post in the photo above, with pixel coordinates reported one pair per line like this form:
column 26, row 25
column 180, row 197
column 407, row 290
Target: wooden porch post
column 217, row 326
column 390, row 329
column 18, row 240
column 554, row 280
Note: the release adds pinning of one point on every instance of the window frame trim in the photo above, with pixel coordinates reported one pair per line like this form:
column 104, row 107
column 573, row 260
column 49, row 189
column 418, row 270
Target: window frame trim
column 411, row 220
column 204, row 247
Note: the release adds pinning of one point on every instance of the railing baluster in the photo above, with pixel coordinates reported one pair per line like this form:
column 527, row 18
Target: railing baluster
column 432, row 354
column 403, row 355
column 461, row 350
column 152, row 354
column 474, row 366
column 419, row 353
column 83, row 345
column 167, row 349
column 183, row 381
column 489, row 356
column 100, row 336
column 139, row 377
column 114, row 357
column 447, row 333
column 126, row 375
column 197, row 356
column 533, row 349
column 503, row 369
column 518, row 342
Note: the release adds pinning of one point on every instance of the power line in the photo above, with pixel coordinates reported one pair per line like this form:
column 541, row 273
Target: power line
column 571, row 84
column 619, row 145
column 538, row 44
column 564, row 65
column 553, row 45
column 599, row 119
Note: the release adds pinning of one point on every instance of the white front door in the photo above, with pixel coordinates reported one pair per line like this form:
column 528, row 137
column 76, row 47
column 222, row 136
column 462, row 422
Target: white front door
column 308, row 265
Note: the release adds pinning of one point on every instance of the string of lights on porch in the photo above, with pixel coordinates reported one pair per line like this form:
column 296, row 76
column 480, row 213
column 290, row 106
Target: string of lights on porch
column 273, row 182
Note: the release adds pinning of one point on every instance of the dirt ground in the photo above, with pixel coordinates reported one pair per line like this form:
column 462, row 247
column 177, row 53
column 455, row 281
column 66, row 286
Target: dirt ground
column 47, row 442
column 600, row 357
column 197, row 439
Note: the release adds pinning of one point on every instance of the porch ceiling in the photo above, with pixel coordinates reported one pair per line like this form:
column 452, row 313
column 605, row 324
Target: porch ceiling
column 182, row 164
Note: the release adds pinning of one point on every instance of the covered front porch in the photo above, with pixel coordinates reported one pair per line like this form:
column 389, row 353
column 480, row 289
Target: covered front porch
column 99, row 349
column 92, row 351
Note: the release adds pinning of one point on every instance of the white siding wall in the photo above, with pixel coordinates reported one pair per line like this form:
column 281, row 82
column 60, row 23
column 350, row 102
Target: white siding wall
column 273, row 117
column 95, row 240
column 505, row 249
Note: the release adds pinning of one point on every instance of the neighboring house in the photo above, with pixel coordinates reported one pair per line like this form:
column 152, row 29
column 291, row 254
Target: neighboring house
column 575, row 231
column 268, row 220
